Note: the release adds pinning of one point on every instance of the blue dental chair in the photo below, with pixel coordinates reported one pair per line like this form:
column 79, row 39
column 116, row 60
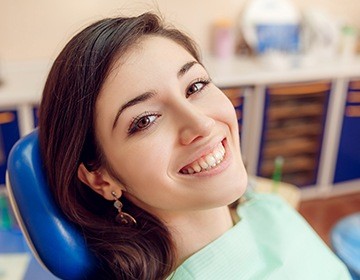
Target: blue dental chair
column 345, row 240
column 54, row 240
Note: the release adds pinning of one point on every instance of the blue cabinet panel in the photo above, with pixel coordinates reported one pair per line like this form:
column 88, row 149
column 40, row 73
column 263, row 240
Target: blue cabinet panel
column 9, row 134
column 36, row 115
column 348, row 160
column 237, row 98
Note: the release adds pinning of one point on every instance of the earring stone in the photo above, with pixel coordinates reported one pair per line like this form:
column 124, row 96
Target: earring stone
column 122, row 218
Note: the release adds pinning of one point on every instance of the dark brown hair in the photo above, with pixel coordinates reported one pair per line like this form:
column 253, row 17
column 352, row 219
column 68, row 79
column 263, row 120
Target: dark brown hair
column 67, row 139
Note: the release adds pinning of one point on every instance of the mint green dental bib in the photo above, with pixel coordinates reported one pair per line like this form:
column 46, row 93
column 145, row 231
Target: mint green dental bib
column 271, row 241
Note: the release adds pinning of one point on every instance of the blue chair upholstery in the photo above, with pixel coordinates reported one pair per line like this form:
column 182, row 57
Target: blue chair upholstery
column 54, row 240
column 345, row 240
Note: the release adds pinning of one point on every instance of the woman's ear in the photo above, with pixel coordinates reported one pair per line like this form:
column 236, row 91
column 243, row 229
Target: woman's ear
column 99, row 181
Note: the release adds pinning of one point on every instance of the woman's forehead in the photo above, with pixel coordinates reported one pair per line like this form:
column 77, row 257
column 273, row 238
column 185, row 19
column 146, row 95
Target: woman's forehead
column 151, row 48
column 153, row 58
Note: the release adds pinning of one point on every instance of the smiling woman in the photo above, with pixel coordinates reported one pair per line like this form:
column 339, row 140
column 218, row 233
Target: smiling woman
column 130, row 115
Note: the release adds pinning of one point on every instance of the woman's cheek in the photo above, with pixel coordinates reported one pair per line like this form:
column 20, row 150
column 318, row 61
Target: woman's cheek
column 227, row 109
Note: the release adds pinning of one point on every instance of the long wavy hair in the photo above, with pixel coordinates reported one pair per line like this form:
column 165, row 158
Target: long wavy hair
column 67, row 139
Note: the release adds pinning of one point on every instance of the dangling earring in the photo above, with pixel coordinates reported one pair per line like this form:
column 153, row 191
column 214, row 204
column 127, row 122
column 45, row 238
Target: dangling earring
column 122, row 218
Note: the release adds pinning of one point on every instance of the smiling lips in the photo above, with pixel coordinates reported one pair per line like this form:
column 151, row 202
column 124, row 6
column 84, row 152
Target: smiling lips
column 207, row 162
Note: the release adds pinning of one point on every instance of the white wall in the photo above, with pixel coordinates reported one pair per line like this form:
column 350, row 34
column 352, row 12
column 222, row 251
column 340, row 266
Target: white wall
column 38, row 29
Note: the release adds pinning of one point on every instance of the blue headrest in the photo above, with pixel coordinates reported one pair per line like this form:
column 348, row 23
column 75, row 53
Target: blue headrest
column 54, row 239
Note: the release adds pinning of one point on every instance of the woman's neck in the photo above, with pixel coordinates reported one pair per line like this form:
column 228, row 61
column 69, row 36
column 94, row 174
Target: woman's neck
column 195, row 230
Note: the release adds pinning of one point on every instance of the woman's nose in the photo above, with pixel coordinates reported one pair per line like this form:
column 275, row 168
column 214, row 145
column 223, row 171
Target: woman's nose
column 194, row 125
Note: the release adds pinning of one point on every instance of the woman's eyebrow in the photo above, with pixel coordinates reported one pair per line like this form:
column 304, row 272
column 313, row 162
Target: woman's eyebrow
column 186, row 67
column 141, row 98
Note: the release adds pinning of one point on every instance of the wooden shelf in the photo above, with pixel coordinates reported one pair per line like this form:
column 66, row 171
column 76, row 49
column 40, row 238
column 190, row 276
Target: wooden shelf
column 293, row 129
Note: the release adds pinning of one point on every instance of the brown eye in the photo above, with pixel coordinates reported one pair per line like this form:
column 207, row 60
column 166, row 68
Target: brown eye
column 142, row 122
column 196, row 87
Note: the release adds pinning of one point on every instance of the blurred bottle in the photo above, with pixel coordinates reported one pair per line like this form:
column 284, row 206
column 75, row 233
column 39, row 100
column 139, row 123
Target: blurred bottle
column 279, row 162
column 348, row 43
column 223, row 39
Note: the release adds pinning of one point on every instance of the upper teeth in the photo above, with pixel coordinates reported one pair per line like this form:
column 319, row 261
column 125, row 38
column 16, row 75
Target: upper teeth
column 206, row 162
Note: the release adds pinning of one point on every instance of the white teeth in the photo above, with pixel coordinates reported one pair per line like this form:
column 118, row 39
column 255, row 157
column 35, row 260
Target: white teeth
column 207, row 162
column 222, row 149
column 202, row 163
column 210, row 160
column 196, row 167
column 190, row 170
column 218, row 156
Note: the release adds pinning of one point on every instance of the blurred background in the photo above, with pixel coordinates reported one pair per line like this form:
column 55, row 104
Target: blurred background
column 39, row 28
column 290, row 67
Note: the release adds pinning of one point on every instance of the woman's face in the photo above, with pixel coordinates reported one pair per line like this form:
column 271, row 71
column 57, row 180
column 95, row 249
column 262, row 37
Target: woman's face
column 169, row 134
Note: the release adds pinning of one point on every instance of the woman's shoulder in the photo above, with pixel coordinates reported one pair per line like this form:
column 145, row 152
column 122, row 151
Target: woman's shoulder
column 286, row 235
column 269, row 242
column 271, row 212
column 270, row 203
